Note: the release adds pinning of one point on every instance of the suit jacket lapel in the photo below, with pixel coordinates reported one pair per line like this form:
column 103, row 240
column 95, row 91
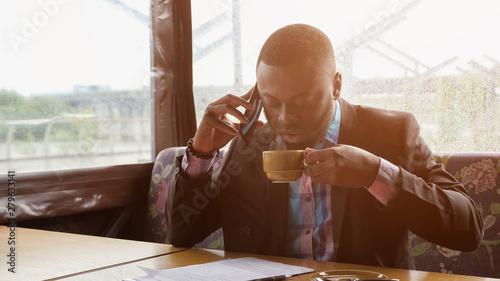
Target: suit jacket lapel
column 349, row 133
column 277, row 200
column 277, row 203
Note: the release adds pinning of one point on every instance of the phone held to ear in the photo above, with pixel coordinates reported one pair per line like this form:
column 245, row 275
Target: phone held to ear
column 246, row 130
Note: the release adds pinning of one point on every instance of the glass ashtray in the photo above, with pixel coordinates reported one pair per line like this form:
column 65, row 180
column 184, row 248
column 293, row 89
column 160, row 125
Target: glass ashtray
column 348, row 274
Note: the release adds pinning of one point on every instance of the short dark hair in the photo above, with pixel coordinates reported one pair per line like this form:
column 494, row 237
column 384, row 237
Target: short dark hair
column 295, row 44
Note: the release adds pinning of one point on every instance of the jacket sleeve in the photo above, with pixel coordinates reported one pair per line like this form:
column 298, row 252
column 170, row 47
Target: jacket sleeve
column 430, row 201
column 191, row 210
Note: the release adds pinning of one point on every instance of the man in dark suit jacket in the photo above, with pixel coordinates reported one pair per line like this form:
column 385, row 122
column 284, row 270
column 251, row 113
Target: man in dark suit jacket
column 376, row 173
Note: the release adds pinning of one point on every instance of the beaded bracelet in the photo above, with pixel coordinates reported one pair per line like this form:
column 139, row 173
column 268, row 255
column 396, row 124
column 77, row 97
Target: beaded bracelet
column 197, row 154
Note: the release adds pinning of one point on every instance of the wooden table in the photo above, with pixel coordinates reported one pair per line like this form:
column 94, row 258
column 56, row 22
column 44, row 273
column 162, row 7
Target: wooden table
column 197, row 256
column 43, row 255
column 58, row 256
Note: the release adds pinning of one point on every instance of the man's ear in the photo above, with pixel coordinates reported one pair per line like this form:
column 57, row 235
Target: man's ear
column 337, row 85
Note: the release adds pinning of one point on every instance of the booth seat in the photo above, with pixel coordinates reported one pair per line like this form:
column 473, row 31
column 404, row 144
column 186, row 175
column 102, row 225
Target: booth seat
column 480, row 174
column 478, row 171
column 163, row 171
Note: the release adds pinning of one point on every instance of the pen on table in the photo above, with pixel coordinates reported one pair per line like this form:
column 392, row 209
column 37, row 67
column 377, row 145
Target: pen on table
column 271, row 278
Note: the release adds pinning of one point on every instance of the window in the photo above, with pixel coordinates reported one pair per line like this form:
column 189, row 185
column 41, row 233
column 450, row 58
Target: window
column 439, row 60
column 75, row 87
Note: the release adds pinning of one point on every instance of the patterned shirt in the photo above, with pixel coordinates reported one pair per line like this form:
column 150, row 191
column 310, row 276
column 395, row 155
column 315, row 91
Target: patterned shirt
column 310, row 234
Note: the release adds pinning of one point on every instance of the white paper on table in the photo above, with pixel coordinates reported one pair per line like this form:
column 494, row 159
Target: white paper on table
column 227, row 269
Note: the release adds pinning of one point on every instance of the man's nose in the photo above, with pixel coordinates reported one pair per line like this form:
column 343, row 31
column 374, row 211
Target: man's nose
column 287, row 114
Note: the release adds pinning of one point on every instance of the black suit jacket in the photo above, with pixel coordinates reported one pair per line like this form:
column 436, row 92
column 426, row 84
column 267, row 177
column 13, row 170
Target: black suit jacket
column 253, row 211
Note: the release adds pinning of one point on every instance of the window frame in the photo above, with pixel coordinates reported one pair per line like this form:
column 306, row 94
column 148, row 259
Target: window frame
column 173, row 123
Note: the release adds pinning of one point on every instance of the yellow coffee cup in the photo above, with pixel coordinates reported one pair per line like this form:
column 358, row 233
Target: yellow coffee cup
column 283, row 165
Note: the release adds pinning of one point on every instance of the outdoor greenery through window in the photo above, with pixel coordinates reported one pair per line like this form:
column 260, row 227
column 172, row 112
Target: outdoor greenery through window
column 74, row 84
column 439, row 60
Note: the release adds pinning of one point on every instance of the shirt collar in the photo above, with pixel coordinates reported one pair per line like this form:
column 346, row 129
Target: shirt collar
column 332, row 134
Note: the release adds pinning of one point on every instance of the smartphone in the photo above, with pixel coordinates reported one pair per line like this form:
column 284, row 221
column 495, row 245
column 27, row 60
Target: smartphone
column 246, row 130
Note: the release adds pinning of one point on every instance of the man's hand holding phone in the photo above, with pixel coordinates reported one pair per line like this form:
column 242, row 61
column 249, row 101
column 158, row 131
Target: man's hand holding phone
column 215, row 129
